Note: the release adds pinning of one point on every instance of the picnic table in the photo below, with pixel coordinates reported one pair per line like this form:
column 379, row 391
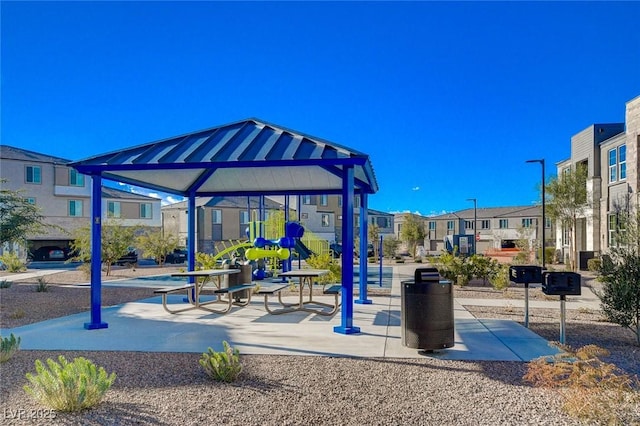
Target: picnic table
column 306, row 277
column 194, row 290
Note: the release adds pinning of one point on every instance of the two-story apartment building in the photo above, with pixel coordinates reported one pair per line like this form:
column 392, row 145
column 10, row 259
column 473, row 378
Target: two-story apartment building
column 64, row 197
column 227, row 218
column 610, row 153
column 217, row 219
column 494, row 227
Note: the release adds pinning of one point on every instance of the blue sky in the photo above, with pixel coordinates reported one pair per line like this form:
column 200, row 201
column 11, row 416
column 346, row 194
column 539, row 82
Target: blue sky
column 448, row 99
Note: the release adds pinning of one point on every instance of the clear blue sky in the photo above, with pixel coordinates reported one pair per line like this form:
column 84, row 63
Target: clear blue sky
column 448, row 99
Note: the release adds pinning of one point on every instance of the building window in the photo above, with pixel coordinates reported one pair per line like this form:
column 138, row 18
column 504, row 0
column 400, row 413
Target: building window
column 30, row 200
column 33, row 174
column 485, row 224
column 503, row 224
column 622, row 158
column 306, row 199
column 113, row 209
column 432, row 226
column 527, row 223
column 468, row 224
column 356, row 202
column 145, row 211
column 325, row 220
column 216, row 217
column 548, row 222
column 450, row 225
column 244, row 217
column 383, row 222
column 339, row 200
column 613, row 166
column 323, row 200
column 75, row 208
column 75, row 178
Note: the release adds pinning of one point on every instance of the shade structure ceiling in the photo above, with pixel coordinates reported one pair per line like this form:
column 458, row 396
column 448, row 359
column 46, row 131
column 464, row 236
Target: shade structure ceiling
column 248, row 157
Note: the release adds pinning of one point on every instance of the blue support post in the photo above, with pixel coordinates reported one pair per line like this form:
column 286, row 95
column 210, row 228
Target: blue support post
column 347, row 326
column 299, row 204
column 364, row 231
column 380, row 253
column 191, row 240
column 286, row 264
column 96, row 256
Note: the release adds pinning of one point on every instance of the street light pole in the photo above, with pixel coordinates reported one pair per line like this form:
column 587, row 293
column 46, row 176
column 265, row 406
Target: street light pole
column 475, row 222
column 544, row 221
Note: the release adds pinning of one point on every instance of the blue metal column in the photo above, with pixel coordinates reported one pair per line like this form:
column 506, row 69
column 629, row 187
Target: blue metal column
column 364, row 232
column 191, row 237
column 286, row 264
column 346, row 326
column 96, row 255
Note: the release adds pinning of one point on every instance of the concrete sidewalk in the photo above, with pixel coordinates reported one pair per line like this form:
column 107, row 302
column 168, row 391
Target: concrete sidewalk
column 145, row 326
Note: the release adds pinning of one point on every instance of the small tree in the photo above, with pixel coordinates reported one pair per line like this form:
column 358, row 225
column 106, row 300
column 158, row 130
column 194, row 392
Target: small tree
column 389, row 246
column 155, row 243
column 567, row 203
column 412, row 232
column 18, row 217
column 116, row 242
column 374, row 236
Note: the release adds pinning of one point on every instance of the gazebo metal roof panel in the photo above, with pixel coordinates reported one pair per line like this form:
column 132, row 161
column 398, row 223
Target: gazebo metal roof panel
column 243, row 157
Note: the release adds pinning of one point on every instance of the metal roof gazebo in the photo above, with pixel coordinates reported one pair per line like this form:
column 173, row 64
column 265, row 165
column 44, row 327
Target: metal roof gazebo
column 244, row 158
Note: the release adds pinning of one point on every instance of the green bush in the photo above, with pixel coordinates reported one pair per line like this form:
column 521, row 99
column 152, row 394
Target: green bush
column 12, row 262
column 222, row 366
column 8, row 346
column 324, row 261
column 5, row 284
column 620, row 293
column 68, row 386
column 499, row 278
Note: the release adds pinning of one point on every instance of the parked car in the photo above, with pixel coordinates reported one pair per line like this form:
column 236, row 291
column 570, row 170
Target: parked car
column 177, row 256
column 130, row 258
column 49, row 253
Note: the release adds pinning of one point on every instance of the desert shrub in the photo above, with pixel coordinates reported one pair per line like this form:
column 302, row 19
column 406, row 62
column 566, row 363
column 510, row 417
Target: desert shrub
column 592, row 390
column 68, row 386
column 594, row 265
column 222, row 366
column 12, row 262
column 8, row 346
column 206, row 261
column 42, row 285
column 324, row 261
column 499, row 277
column 5, row 284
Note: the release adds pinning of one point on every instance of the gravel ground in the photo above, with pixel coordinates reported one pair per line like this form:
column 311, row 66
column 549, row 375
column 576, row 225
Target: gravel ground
column 166, row 389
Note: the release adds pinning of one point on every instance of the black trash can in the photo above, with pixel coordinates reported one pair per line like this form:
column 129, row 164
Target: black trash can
column 427, row 311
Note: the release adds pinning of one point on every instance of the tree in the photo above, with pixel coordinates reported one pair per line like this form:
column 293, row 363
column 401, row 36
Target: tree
column 373, row 234
column 412, row 232
column 620, row 275
column 116, row 242
column 389, row 246
column 567, row 203
column 156, row 244
column 18, row 217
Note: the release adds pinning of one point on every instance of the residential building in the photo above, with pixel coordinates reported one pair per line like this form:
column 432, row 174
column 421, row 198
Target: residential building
column 64, row 197
column 227, row 218
column 610, row 153
column 497, row 227
column 217, row 219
